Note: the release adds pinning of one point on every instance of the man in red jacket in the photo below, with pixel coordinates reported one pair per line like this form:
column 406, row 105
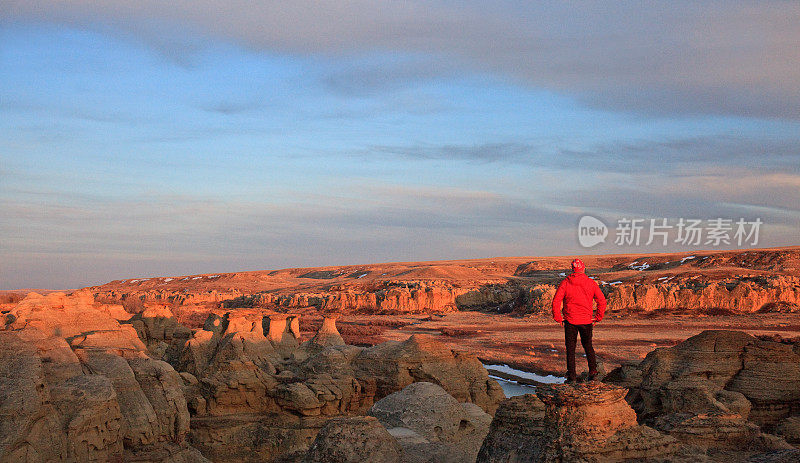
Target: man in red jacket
column 572, row 307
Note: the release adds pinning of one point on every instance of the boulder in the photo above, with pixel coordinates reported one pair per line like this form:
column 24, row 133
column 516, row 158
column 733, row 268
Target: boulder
column 354, row 440
column 431, row 425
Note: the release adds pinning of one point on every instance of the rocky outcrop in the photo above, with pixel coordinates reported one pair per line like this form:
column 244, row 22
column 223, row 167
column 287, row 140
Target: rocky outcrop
column 789, row 429
column 717, row 372
column 250, row 382
column 395, row 365
column 359, row 439
column 744, row 281
column 78, row 386
column 718, row 389
column 587, row 422
column 692, row 292
column 163, row 335
column 737, row 295
column 432, row 426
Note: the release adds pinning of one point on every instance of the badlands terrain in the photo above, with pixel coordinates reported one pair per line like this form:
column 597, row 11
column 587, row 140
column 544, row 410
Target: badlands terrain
column 403, row 362
column 498, row 309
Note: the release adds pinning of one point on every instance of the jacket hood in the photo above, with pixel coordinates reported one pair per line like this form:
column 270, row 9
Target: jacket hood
column 577, row 275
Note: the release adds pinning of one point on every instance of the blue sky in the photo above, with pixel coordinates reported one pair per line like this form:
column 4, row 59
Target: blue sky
column 166, row 138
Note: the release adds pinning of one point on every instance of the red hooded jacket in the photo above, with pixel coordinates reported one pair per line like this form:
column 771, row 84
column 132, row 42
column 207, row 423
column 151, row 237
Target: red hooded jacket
column 576, row 293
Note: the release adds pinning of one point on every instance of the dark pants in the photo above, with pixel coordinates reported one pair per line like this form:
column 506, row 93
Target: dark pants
column 571, row 337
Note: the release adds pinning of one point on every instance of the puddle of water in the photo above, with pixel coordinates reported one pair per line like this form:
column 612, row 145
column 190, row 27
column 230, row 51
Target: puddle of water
column 549, row 379
column 513, row 388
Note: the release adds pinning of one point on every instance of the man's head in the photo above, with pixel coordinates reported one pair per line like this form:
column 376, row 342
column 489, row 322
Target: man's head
column 577, row 266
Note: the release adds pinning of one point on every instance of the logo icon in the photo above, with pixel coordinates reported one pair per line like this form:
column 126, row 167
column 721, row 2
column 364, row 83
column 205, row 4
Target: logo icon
column 591, row 231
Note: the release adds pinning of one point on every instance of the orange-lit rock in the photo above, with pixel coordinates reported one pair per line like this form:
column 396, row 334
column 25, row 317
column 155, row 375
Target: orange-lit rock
column 587, row 422
column 84, row 388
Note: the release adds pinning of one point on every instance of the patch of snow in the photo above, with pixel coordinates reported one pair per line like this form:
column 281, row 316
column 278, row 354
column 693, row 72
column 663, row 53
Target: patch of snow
column 166, row 280
column 615, row 282
column 549, row 379
column 196, row 278
column 362, row 275
column 688, row 258
column 663, row 278
column 562, row 274
column 213, row 276
column 641, row 267
column 603, row 282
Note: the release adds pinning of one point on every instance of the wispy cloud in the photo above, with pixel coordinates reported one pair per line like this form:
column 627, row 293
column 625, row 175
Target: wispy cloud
column 665, row 156
column 717, row 57
column 484, row 153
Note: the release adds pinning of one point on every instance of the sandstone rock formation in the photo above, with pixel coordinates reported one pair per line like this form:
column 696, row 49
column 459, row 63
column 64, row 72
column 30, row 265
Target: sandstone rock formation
column 747, row 281
column 78, row 386
column 718, row 389
column 248, row 379
column 160, row 331
column 431, row 425
column 359, row 439
column 395, row 365
column 717, row 371
column 587, row 422
column 244, row 388
column 736, row 295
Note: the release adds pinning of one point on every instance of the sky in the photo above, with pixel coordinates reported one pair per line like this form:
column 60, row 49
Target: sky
column 150, row 138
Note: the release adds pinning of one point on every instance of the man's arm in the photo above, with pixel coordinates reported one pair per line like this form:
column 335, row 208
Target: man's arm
column 601, row 303
column 558, row 300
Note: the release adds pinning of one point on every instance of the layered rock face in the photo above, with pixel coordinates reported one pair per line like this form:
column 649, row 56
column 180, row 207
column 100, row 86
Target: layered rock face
column 588, row 422
column 78, row 386
column 160, row 331
column 670, row 293
column 718, row 389
column 734, row 295
column 744, row 281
